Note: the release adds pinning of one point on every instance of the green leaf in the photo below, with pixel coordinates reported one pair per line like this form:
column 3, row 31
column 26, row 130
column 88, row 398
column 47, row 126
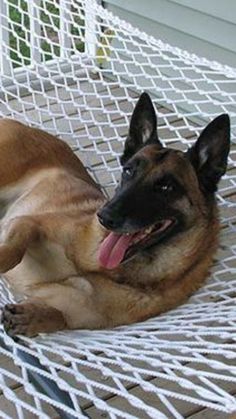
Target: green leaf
column 104, row 47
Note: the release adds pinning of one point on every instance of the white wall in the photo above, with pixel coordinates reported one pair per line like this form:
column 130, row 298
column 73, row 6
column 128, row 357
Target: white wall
column 204, row 27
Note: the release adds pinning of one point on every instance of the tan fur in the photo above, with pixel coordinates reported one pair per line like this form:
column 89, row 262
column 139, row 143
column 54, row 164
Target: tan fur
column 50, row 237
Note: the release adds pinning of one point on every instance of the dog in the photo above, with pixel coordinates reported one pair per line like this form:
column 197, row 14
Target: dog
column 75, row 260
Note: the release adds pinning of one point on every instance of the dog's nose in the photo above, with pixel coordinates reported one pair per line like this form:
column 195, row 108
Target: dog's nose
column 107, row 219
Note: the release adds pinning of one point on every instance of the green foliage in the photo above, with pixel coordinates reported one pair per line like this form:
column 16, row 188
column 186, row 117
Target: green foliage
column 19, row 20
column 19, row 25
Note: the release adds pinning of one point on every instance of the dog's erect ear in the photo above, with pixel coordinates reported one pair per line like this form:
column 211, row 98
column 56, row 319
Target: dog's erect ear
column 209, row 154
column 143, row 128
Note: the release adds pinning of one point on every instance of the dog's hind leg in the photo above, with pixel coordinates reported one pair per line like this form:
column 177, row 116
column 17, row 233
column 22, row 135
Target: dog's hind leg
column 15, row 237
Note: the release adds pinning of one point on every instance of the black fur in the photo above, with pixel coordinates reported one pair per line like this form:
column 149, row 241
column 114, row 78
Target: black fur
column 210, row 153
column 143, row 128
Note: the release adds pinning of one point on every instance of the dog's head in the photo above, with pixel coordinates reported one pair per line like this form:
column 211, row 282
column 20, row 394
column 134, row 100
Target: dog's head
column 162, row 191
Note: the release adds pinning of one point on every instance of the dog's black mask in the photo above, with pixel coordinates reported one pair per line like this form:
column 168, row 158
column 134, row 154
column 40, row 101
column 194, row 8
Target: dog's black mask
column 156, row 196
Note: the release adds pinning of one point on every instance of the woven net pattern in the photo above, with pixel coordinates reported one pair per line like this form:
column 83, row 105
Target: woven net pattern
column 75, row 70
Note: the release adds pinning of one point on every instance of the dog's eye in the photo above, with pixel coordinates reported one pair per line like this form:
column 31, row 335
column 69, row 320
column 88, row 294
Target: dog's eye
column 128, row 172
column 164, row 187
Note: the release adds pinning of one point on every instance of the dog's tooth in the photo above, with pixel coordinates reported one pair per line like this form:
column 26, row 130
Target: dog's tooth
column 148, row 230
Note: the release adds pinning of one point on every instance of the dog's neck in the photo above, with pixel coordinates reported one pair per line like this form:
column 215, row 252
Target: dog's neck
column 169, row 263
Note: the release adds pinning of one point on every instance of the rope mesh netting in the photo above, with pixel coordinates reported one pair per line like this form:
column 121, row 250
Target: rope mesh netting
column 75, row 70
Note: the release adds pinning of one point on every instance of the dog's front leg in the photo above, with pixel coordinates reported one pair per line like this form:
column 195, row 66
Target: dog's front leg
column 70, row 304
column 15, row 237
column 92, row 303
column 78, row 303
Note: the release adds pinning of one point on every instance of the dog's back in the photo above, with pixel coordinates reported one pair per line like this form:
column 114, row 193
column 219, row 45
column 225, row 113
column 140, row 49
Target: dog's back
column 25, row 150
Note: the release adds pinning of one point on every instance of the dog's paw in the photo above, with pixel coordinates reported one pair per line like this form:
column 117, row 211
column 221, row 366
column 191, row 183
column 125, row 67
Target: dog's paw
column 29, row 319
column 16, row 319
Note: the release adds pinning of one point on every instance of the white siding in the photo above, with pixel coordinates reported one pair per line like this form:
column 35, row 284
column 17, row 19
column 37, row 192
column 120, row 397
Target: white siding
column 207, row 28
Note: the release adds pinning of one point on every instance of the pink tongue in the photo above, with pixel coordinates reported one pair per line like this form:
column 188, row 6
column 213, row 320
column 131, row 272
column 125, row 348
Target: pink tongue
column 112, row 249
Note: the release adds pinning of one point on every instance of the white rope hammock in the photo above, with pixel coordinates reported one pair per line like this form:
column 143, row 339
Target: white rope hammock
column 184, row 360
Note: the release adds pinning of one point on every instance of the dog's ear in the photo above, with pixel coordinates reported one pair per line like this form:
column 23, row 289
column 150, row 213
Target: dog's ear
column 143, row 128
column 210, row 152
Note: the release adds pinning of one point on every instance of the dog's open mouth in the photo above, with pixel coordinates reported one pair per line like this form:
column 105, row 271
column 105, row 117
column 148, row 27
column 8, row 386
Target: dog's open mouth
column 116, row 248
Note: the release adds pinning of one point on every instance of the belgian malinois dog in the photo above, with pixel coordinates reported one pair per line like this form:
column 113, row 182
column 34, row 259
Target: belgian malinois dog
column 77, row 261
